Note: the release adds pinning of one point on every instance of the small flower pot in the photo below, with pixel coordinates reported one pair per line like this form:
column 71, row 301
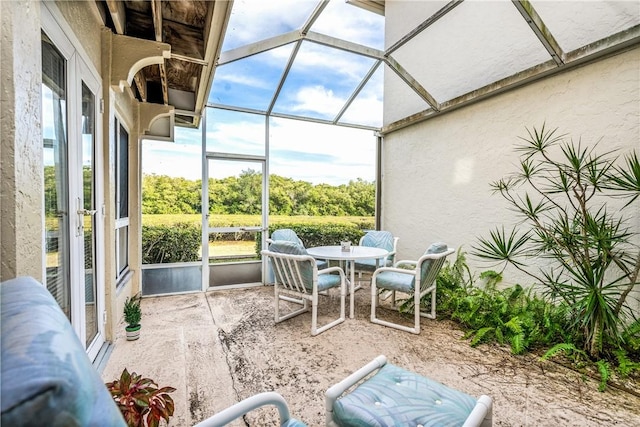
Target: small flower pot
column 133, row 332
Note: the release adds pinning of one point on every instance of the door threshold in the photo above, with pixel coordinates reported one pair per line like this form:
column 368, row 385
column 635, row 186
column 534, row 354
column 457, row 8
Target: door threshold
column 100, row 362
column 238, row 286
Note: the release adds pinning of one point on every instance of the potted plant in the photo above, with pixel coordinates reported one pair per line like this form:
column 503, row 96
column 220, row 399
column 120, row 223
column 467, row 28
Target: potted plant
column 132, row 315
column 140, row 401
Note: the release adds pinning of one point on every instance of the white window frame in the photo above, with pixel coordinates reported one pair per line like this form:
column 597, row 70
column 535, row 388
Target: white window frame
column 121, row 222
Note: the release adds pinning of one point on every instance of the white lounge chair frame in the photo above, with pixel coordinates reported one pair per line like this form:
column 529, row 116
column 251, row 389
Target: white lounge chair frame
column 480, row 416
column 421, row 287
column 229, row 414
column 289, row 286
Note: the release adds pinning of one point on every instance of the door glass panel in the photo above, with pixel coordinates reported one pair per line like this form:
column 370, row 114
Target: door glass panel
column 88, row 191
column 54, row 130
column 235, row 209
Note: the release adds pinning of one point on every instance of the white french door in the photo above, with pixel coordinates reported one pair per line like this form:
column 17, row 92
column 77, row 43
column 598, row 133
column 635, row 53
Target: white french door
column 73, row 193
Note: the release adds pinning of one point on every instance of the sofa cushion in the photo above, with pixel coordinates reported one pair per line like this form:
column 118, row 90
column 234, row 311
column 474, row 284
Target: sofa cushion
column 397, row 397
column 47, row 378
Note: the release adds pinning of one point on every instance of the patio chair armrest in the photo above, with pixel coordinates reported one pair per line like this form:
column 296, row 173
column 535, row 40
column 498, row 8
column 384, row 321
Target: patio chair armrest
column 332, row 270
column 247, row 405
column 392, row 269
column 481, row 413
column 411, row 262
column 335, row 391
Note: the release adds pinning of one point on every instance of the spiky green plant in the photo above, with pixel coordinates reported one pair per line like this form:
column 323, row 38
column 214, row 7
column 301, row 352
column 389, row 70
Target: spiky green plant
column 560, row 194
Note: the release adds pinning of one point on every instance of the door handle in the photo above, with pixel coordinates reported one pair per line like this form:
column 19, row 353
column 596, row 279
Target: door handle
column 250, row 229
column 87, row 212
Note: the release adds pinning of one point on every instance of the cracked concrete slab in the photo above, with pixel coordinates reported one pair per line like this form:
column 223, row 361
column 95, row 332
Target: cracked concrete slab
column 220, row 347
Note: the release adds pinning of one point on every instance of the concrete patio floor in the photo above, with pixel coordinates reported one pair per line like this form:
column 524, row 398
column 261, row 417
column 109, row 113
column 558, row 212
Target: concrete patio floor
column 219, row 347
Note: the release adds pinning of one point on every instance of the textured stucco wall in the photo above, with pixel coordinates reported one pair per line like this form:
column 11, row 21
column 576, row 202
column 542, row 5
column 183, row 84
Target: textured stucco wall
column 436, row 174
column 83, row 18
column 21, row 223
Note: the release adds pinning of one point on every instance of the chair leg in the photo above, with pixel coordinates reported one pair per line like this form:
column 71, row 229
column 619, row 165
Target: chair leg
column 376, row 320
column 314, row 313
column 432, row 313
column 278, row 298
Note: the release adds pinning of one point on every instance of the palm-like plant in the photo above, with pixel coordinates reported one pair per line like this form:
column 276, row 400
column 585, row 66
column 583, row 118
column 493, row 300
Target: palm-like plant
column 561, row 193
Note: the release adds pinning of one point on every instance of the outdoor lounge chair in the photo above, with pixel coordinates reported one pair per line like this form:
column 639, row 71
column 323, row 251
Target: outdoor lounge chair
column 298, row 280
column 393, row 396
column 416, row 283
column 229, row 414
column 377, row 239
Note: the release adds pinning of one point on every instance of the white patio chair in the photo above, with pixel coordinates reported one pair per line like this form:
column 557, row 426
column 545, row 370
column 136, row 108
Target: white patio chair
column 387, row 395
column 298, row 280
column 289, row 235
column 395, row 279
column 377, row 239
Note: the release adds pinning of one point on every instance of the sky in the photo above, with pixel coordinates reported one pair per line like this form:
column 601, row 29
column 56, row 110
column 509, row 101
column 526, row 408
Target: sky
column 319, row 83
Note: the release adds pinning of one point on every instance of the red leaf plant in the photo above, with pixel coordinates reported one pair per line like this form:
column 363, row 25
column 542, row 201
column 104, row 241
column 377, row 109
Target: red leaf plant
column 140, row 400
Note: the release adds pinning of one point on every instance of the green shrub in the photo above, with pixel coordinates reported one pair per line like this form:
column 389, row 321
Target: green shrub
column 560, row 194
column 179, row 242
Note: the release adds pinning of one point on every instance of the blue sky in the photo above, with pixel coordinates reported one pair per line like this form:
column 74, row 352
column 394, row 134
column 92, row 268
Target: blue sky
column 319, row 83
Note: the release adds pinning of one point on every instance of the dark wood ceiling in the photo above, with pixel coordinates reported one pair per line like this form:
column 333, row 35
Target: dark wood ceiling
column 185, row 25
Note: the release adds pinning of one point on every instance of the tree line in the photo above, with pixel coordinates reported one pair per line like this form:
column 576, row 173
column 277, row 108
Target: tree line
column 241, row 194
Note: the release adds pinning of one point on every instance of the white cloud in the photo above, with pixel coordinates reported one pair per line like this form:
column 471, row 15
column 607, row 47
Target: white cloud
column 318, row 99
column 294, row 145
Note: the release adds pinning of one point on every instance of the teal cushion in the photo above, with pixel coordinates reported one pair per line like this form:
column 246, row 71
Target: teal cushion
column 401, row 282
column 376, row 239
column 286, row 234
column 435, row 248
column 47, row 378
column 328, row 281
column 305, row 267
column 405, row 282
column 397, row 397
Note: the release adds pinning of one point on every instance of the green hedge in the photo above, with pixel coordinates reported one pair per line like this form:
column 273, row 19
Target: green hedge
column 179, row 242
column 319, row 234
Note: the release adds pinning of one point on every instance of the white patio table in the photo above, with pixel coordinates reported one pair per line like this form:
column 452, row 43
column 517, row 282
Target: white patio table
column 335, row 253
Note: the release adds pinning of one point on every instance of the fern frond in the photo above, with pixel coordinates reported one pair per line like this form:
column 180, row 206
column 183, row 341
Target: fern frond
column 480, row 333
column 605, row 373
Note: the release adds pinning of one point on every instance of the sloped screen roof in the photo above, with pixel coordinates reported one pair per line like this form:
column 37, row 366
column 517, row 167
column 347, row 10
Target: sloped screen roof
column 325, row 61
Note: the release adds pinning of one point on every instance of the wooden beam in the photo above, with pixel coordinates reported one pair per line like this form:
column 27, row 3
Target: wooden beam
column 156, row 11
column 118, row 15
column 141, row 84
column 163, row 80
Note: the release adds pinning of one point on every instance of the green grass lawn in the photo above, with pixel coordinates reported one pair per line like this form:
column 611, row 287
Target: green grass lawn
column 250, row 220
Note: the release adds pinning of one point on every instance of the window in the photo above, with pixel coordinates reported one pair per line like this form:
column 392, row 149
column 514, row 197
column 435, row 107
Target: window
column 122, row 199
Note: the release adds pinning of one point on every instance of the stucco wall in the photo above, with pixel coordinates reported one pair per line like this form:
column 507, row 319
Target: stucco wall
column 21, row 141
column 83, row 18
column 436, row 174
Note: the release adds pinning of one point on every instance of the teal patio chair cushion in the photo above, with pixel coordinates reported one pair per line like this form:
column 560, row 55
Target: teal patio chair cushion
column 435, row 248
column 376, row 239
column 47, row 378
column 286, row 234
column 325, row 281
column 405, row 282
column 397, row 397
column 289, row 235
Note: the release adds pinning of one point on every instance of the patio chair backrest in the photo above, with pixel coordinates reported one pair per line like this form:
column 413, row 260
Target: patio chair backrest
column 286, row 234
column 378, row 239
column 293, row 267
column 431, row 267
